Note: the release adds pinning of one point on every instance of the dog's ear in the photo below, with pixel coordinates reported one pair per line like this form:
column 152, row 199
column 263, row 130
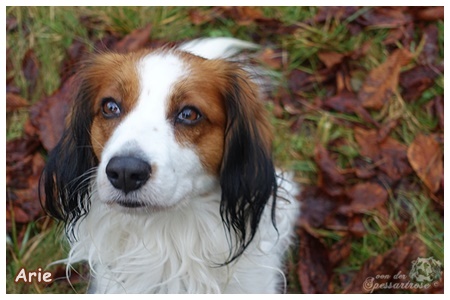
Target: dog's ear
column 71, row 163
column 247, row 177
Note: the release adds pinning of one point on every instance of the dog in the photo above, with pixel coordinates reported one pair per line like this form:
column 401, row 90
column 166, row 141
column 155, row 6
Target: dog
column 164, row 175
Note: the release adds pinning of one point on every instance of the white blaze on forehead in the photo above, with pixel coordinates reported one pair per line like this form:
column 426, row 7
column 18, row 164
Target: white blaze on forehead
column 158, row 73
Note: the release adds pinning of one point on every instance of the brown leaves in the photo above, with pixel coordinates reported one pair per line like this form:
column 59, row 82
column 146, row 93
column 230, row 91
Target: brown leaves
column 384, row 267
column 426, row 157
column 30, row 69
column 314, row 268
column 24, row 166
column 387, row 153
column 382, row 81
column 136, row 40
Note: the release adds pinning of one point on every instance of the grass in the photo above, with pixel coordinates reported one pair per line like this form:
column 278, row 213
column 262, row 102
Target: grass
column 49, row 31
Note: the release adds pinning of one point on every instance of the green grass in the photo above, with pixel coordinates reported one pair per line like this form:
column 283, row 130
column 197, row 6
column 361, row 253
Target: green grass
column 49, row 31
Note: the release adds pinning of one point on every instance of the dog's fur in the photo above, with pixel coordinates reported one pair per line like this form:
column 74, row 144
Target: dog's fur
column 164, row 175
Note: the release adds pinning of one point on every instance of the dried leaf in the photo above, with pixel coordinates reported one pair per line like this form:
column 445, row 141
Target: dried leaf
column 24, row 165
column 356, row 226
column 75, row 55
column 330, row 178
column 199, row 17
column 331, row 59
column 314, row 268
column 416, row 80
column 426, row 158
column 363, row 169
column 340, row 251
column 429, row 13
column 382, row 81
column 393, row 159
column 30, row 70
column 367, row 142
column 384, row 17
column 243, row 15
column 389, row 154
column 439, row 108
column 382, row 268
column 134, row 40
column 346, row 102
column 48, row 115
column 14, row 102
column 340, row 13
column 364, row 197
column 271, row 58
column 316, row 207
column 430, row 52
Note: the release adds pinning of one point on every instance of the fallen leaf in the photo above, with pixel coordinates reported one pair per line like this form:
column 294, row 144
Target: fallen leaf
column 364, row 197
column 393, row 160
column 389, row 154
column 243, row 15
column 135, row 40
column 340, row 251
column 271, row 58
column 384, row 131
column 382, row 268
column 15, row 102
column 330, row 178
column 416, row 80
column 382, row 81
column 347, row 102
column 363, row 169
column 331, row 59
column 30, row 70
column 439, row 109
column 384, row 17
column 356, row 226
column 316, row 207
column 299, row 81
column 367, row 142
column 430, row 51
column 24, row 165
column 429, row 13
column 74, row 56
column 426, row 157
column 340, row 13
column 314, row 268
column 198, row 17
column 48, row 114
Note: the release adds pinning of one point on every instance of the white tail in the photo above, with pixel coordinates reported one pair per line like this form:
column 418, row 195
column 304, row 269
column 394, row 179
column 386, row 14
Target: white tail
column 213, row 48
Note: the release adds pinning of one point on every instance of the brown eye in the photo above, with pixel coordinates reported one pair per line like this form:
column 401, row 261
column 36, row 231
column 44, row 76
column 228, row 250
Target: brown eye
column 188, row 115
column 110, row 108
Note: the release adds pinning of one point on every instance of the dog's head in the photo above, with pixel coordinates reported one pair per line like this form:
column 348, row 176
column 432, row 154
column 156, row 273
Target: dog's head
column 153, row 130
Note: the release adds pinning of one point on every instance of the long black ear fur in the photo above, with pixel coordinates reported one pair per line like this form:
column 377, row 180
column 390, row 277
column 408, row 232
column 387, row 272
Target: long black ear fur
column 70, row 165
column 247, row 178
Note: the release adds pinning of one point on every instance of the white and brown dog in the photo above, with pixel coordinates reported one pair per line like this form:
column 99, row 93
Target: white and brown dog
column 164, row 175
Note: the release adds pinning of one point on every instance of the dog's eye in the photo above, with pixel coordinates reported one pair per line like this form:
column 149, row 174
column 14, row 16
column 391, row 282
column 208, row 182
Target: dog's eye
column 110, row 108
column 189, row 115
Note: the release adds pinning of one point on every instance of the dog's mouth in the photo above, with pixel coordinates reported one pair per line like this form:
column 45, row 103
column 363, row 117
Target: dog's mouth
column 131, row 204
column 135, row 206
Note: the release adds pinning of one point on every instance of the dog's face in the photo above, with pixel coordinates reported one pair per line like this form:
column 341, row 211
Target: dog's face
column 158, row 128
column 155, row 129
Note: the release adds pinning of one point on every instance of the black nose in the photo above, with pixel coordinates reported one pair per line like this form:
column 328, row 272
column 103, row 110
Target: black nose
column 128, row 173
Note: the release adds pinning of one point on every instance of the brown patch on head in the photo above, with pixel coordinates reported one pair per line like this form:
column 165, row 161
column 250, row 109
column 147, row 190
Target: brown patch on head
column 115, row 76
column 208, row 88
